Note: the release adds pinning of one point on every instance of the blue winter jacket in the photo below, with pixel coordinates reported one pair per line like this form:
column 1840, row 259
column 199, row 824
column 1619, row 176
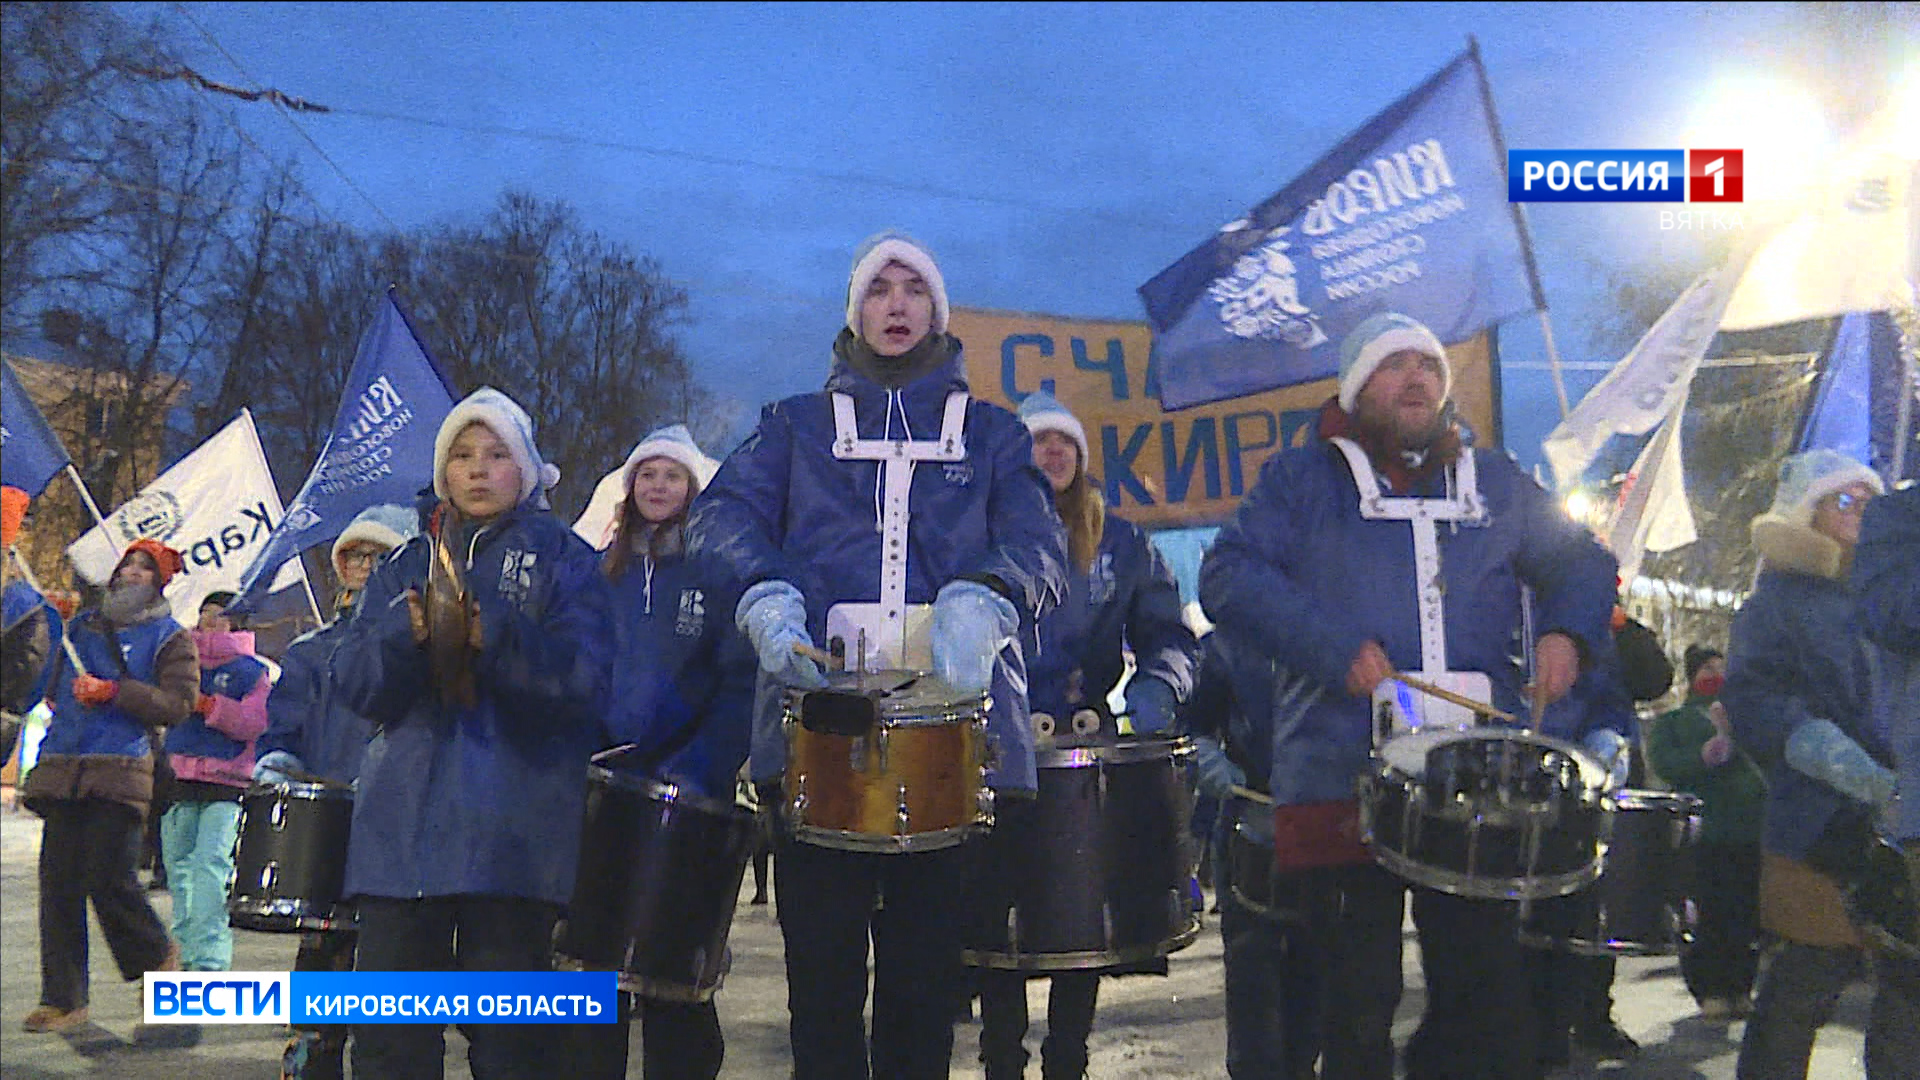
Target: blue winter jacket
column 678, row 660
column 782, row 507
column 305, row 714
column 1127, row 597
column 1797, row 654
column 485, row 800
column 1300, row 580
column 1886, row 578
column 104, row 729
column 18, row 602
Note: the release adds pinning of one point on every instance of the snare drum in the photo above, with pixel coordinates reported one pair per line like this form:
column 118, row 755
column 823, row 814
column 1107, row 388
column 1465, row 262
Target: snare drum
column 1639, row 906
column 291, row 863
column 913, row 777
column 1883, row 900
column 1492, row 813
column 1094, row 874
column 660, row 870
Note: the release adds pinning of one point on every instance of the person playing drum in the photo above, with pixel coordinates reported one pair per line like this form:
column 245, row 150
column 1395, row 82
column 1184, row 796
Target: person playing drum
column 681, row 697
column 1120, row 593
column 1886, row 577
column 1388, row 543
column 466, row 825
column 1799, row 695
column 311, row 732
column 893, row 483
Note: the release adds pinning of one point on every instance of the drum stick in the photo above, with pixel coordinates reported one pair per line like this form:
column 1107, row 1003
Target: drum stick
column 1251, row 795
column 826, row 660
column 613, row 752
column 1483, row 709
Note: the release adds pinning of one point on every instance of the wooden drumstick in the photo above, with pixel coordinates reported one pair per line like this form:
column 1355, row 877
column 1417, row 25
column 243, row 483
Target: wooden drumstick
column 1482, row 708
column 1251, row 795
column 826, row 660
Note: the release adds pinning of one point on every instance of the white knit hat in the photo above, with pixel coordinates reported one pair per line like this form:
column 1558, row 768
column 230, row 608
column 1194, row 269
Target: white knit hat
column 675, row 443
column 1376, row 339
column 1041, row 411
column 386, row 525
column 873, row 257
column 505, row 418
column 1808, row 477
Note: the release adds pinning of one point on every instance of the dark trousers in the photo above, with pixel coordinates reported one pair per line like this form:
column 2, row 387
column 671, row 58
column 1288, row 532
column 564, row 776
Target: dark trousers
column 680, row 1041
column 1571, row 992
column 454, row 933
column 1798, row 992
column 324, row 1054
column 830, row 904
column 1273, row 973
column 1726, row 938
column 88, row 851
column 1071, row 999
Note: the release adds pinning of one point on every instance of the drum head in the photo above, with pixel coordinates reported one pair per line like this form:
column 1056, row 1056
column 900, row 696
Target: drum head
column 1407, row 755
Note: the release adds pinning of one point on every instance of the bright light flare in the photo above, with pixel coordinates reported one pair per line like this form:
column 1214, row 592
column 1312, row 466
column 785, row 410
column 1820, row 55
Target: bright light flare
column 1780, row 126
column 1580, row 506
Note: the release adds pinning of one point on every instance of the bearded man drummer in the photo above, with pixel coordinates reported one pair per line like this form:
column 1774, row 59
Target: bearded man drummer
column 1387, row 544
column 845, row 512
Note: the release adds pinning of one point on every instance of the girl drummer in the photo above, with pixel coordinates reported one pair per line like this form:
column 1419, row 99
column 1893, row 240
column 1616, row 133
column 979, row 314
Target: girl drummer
column 682, row 698
column 1119, row 591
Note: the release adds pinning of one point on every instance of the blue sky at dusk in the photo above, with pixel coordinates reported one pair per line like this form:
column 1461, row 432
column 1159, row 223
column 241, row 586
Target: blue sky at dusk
column 1053, row 157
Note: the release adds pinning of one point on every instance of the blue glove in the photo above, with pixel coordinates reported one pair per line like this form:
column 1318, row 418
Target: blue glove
column 268, row 769
column 971, row 624
column 1218, row 773
column 1614, row 753
column 773, row 615
column 1151, row 702
column 1821, row 750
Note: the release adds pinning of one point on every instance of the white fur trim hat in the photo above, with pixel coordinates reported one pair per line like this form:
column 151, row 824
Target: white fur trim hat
column 1042, row 411
column 386, row 525
column 505, row 418
column 1808, row 477
column 873, row 257
column 1380, row 337
column 675, row 443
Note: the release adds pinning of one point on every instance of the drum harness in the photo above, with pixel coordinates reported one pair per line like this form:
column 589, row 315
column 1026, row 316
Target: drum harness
column 892, row 490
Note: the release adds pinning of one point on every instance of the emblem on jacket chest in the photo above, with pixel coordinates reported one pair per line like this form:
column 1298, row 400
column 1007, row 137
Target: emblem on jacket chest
column 516, row 576
column 692, row 618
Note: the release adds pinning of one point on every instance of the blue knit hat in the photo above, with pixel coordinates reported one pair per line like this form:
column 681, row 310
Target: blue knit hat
column 1380, row 337
column 1042, row 411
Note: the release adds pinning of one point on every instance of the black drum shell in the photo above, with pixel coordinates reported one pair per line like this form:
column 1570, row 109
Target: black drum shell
column 290, row 861
column 1094, row 873
column 660, row 872
column 1638, row 906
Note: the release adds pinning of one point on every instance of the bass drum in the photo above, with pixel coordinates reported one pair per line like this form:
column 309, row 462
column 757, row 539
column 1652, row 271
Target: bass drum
column 1094, row 874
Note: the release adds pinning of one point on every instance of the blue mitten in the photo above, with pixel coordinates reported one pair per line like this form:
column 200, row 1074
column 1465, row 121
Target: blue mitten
column 1151, row 702
column 1218, row 773
column 1613, row 751
column 268, row 770
column 971, row 624
column 1821, row 750
column 773, row 615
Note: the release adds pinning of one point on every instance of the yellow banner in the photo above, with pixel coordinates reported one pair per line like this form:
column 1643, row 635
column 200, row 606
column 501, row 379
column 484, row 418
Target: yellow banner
column 1164, row 469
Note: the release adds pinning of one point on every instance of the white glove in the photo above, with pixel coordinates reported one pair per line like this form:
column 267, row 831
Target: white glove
column 773, row 615
column 971, row 624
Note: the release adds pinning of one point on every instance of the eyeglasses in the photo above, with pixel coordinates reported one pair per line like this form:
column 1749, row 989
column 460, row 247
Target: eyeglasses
column 359, row 558
column 1845, row 501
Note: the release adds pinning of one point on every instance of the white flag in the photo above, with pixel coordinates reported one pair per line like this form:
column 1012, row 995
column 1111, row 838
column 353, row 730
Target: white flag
column 1642, row 388
column 1855, row 246
column 216, row 506
column 1651, row 512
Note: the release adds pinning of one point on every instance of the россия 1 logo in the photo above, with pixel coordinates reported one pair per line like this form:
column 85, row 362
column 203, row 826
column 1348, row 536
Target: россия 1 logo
column 1625, row 176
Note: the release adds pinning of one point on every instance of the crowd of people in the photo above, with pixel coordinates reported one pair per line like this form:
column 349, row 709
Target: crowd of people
column 949, row 535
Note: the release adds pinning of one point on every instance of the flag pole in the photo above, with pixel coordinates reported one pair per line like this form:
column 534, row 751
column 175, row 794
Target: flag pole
column 1909, row 385
column 85, row 495
column 26, row 572
column 1520, row 226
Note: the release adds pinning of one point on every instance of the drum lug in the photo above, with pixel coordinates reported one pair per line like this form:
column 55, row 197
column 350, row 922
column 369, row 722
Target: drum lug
column 901, row 816
column 857, row 754
column 880, row 741
column 278, row 815
column 1106, row 923
column 797, row 805
column 983, row 804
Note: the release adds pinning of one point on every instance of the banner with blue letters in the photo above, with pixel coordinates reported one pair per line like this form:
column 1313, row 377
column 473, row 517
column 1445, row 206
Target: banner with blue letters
column 1409, row 214
column 380, row 451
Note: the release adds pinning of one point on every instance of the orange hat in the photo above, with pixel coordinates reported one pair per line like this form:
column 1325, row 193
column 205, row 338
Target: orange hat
column 167, row 562
column 13, row 509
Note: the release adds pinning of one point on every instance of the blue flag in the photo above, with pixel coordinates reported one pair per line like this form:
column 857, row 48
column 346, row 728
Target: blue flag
column 1855, row 407
column 380, row 451
column 1409, row 214
column 30, row 453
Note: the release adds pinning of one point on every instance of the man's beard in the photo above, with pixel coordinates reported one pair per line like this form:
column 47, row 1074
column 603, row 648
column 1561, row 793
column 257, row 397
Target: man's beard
column 125, row 603
column 1384, row 435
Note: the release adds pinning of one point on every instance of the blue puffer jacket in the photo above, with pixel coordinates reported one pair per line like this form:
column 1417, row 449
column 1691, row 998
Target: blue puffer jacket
column 678, row 659
column 1127, row 597
column 17, row 603
column 105, row 729
column 1886, row 578
column 1797, row 654
column 782, row 507
column 487, row 800
column 1299, row 578
column 306, row 717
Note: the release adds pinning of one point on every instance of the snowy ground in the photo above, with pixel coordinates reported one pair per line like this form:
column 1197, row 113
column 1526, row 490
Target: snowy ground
column 1165, row 1029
